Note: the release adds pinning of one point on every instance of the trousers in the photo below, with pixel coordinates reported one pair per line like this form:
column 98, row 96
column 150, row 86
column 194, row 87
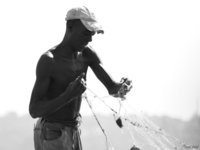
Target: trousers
column 55, row 136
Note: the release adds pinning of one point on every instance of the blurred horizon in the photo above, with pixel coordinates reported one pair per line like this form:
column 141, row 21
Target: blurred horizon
column 106, row 113
column 19, row 131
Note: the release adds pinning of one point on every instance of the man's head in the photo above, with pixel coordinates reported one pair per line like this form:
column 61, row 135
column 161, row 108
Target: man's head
column 81, row 26
column 79, row 35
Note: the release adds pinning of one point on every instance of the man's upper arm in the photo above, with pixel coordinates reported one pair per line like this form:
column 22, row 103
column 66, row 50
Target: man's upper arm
column 98, row 69
column 91, row 56
column 44, row 71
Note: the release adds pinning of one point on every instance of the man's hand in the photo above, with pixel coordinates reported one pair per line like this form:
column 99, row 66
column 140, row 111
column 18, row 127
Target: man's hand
column 126, row 86
column 77, row 87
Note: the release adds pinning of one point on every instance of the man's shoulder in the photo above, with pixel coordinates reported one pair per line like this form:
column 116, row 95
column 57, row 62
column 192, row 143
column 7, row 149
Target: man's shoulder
column 45, row 63
column 48, row 54
column 89, row 50
column 47, row 57
column 90, row 54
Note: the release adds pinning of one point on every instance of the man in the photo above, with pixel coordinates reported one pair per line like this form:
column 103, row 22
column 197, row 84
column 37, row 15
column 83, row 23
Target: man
column 60, row 82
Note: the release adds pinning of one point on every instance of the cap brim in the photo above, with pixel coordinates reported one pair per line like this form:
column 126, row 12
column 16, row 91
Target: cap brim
column 93, row 26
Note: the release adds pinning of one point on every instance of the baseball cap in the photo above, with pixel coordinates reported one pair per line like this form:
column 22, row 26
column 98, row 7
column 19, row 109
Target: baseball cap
column 87, row 18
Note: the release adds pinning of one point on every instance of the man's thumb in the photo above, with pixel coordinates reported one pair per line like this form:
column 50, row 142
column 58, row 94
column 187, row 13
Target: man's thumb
column 81, row 76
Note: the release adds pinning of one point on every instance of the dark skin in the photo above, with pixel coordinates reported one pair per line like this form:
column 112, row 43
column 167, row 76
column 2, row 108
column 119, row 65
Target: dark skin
column 57, row 90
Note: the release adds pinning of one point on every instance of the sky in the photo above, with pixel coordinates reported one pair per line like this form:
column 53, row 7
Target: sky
column 154, row 43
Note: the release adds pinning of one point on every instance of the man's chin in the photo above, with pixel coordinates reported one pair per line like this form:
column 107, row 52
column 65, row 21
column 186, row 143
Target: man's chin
column 81, row 48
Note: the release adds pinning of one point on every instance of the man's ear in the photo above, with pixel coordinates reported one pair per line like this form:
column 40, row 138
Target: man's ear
column 70, row 25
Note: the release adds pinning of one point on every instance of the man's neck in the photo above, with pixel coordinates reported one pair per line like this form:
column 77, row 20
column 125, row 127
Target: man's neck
column 66, row 51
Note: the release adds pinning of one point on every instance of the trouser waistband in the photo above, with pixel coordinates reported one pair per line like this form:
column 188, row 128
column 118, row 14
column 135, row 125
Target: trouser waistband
column 42, row 121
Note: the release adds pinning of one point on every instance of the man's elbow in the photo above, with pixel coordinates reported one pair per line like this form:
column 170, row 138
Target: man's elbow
column 33, row 113
column 33, row 116
column 37, row 113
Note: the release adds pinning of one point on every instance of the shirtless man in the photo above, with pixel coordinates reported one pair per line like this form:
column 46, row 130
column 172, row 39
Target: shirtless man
column 60, row 82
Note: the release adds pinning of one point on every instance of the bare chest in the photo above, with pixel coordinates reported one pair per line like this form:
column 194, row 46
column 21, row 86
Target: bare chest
column 66, row 71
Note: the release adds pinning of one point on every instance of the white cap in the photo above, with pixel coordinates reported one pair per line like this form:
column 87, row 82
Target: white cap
column 87, row 18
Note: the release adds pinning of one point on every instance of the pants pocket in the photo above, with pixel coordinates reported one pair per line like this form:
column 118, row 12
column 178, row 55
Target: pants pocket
column 51, row 132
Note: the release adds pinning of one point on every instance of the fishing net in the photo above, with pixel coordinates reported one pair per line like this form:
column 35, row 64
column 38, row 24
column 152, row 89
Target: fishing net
column 144, row 134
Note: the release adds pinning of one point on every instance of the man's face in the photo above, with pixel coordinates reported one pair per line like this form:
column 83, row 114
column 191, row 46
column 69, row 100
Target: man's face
column 81, row 36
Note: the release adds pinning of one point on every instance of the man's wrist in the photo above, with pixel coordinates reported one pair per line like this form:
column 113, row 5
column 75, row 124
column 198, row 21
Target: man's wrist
column 115, row 88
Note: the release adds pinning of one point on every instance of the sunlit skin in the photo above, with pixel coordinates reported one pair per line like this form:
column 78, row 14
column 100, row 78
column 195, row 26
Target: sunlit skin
column 58, row 75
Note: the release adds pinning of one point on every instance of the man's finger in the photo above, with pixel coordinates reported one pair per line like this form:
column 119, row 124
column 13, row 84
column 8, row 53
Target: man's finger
column 123, row 79
column 81, row 76
column 83, row 82
column 128, row 82
column 130, row 87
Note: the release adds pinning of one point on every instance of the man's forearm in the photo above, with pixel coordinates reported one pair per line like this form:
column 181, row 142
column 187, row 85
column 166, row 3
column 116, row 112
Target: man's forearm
column 45, row 107
column 114, row 89
column 100, row 72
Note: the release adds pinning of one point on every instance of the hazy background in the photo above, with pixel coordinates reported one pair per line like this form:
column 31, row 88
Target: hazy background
column 155, row 43
column 16, row 133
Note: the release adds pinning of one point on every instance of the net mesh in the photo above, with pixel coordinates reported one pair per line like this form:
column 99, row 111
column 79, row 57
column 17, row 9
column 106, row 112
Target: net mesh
column 145, row 135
